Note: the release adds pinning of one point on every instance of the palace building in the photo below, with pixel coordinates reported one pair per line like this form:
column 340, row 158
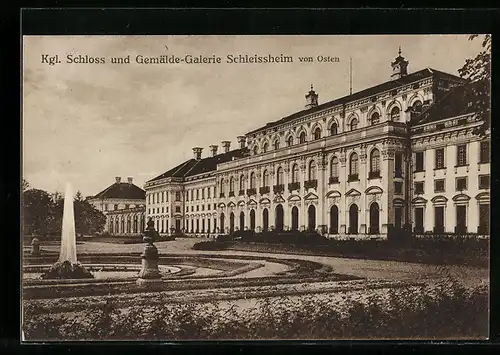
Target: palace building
column 397, row 155
column 123, row 204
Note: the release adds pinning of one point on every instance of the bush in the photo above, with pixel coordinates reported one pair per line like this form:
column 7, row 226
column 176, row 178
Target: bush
column 209, row 245
column 448, row 311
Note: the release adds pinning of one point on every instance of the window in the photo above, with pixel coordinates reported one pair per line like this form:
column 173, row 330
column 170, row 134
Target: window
column 162, row 197
column 208, row 192
column 197, row 208
column 398, row 187
column 395, row 114
column 334, row 167
column 149, row 199
column 265, row 178
column 295, row 173
column 302, row 137
column 462, row 155
column 484, row 181
column 461, row 183
column 116, row 207
column 177, row 196
column 353, row 164
column 203, row 193
column 231, row 184
column 276, row 144
column 177, row 208
column 440, row 158
column 353, row 125
column 417, row 106
column 317, row 133
column 439, row 186
column 439, row 219
column 242, row 182
column 252, row 180
column 187, row 208
column 255, row 150
column 197, row 194
column 312, row 170
column 484, row 152
column 419, row 187
column 375, row 118
column 264, row 148
column 419, row 161
column 375, row 161
column 215, row 206
column 333, row 129
column 289, row 141
column 203, row 207
column 192, row 208
column 398, row 165
column 279, row 176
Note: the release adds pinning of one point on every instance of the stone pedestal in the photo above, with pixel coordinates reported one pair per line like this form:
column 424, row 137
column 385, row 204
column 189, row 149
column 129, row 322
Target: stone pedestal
column 149, row 271
column 35, row 246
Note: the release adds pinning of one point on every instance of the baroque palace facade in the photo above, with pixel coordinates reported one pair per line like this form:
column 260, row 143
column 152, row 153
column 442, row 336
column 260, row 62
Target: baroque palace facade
column 124, row 205
column 401, row 154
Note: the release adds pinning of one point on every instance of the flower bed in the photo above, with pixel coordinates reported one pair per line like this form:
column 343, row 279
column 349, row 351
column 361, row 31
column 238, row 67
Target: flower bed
column 445, row 312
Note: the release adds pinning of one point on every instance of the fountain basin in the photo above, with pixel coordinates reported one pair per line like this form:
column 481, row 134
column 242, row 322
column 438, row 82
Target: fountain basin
column 100, row 271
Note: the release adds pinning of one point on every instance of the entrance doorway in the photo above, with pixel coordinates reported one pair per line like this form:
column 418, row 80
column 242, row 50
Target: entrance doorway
column 311, row 217
column 353, row 219
column 374, row 219
column 295, row 218
column 334, row 220
column 279, row 218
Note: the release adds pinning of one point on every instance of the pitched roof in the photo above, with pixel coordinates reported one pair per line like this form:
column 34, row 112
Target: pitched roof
column 458, row 101
column 389, row 85
column 193, row 167
column 122, row 190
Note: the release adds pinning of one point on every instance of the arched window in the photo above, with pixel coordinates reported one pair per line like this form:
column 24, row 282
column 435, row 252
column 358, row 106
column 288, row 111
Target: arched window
column 302, row 137
column 417, row 106
column 353, row 125
column 255, row 150
column 317, row 133
column 231, row 184
column 264, row 148
column 395, row 114
column 289, row 141
column 353, row 164
column 276, row 144
column 375, row 161
column 221, row 186
column 334, row 167
column 295, row 173
column 312, row 170
column 252, row 180
column 265, row 178
column 333, row 129
column 242, row 182
column 279, row 176
column 375, row 118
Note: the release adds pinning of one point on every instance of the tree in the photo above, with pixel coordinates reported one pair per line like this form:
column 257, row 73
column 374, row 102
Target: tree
column 478, row 71
column 25, row 185
column 37, row 207
column 88, row 220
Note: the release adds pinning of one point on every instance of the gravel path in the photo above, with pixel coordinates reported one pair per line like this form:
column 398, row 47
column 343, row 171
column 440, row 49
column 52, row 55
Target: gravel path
column 371, row 269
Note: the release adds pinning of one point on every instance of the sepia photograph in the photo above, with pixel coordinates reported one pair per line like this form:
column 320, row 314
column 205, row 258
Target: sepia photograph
column 264, row 187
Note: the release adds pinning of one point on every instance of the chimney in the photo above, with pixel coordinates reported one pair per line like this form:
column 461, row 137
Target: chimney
column 213, row 149
column 130, row 180
column 118, row 179
column 226, row 145
column 197, row 153
column 242, row 140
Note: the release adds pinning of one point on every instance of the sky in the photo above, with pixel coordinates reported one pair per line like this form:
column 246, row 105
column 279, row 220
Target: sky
column 88, row 123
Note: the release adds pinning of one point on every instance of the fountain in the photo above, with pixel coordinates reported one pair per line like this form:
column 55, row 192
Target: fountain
column 149, row 271
column 67, row 267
